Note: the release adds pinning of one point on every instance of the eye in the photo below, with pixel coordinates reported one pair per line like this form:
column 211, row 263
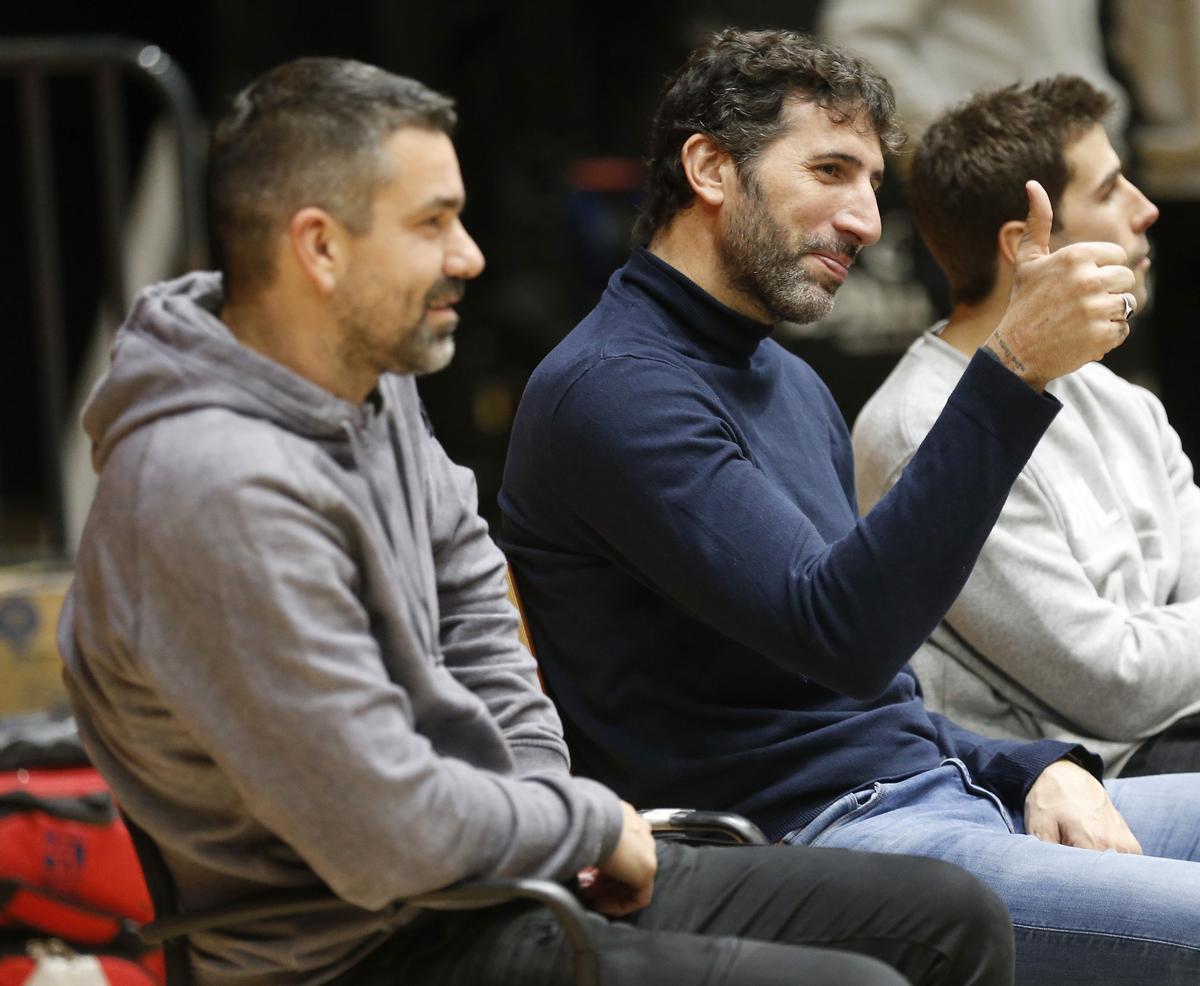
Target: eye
column 1109, row 190
column 433, row 224
column 830, row 170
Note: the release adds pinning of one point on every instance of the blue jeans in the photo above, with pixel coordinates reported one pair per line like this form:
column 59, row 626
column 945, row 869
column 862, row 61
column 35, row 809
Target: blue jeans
column 1080, row 916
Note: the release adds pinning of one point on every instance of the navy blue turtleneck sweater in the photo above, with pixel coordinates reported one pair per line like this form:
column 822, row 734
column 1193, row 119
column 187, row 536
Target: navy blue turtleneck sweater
column 718, row 626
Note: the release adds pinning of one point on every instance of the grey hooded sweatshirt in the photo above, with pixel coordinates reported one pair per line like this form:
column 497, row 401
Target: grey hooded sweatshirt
column 291, row 654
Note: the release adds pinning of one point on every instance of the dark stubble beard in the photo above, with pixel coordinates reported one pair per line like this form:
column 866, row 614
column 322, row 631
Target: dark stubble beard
column 762, row 264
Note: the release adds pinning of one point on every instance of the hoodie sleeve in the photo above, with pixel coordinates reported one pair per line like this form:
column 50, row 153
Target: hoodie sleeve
column 478, row 628
column 248, row 624
column 1009, row 767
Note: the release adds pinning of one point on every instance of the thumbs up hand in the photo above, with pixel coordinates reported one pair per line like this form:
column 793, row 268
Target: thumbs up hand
column 1066, row 308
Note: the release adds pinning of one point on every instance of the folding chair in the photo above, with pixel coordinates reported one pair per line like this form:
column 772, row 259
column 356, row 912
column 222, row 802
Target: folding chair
column 171, row 925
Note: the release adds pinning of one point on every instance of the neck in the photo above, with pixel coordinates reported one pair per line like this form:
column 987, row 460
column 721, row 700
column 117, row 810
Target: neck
column 689, row 245
column 971, row 325
column 290, row 336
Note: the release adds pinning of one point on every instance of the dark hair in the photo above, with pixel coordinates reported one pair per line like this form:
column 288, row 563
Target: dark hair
column 734, row 88
column 969, row 171
column 306, row 133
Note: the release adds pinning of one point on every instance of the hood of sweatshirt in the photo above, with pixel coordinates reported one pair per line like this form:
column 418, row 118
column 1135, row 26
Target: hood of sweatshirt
column 174, row 355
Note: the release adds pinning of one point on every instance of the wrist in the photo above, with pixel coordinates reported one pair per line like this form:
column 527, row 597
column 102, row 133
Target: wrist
column 998, row 348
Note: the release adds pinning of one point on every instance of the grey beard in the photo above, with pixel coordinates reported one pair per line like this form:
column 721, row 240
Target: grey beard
column 760, row 264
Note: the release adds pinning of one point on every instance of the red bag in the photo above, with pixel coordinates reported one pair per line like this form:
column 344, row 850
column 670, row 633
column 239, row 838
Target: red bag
column 68, row 869
column 112, row 970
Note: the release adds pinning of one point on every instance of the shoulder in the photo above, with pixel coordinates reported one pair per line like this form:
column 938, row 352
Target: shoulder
column 631, row 392
column 904, row 408
column 608, row 362
column 211, row 465
column 1122, row 400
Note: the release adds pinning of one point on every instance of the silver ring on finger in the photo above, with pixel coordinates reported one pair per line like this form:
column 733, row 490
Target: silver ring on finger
column 1130, row 305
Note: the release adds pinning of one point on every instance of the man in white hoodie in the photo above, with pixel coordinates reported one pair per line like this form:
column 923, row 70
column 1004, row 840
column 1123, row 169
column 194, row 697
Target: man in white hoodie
column 289, row 647
column 1081, row 619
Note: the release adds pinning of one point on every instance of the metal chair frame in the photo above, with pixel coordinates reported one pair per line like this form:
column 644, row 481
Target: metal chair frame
column 171, row 926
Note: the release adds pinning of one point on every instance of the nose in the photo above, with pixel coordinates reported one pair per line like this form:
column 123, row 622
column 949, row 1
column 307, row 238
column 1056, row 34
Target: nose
column 859, row 218
column 464, row 258
column 1145, row 212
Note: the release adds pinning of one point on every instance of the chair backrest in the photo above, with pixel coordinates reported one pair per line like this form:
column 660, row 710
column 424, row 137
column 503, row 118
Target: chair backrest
column 514, row 597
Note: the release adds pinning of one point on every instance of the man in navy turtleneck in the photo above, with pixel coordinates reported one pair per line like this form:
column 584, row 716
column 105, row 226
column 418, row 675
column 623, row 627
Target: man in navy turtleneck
column 718, row 626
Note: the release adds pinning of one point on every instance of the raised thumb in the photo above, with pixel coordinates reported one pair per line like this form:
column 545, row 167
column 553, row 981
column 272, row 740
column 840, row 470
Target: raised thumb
column 1035, row 239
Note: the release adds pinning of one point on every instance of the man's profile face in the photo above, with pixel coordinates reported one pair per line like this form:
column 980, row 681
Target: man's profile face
column 1100, row 203
column 394, row 304
column 801, row 212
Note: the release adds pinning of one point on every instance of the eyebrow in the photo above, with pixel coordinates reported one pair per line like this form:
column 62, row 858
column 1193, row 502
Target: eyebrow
column 876, row 176
column 453, row 202
column 1109, row 180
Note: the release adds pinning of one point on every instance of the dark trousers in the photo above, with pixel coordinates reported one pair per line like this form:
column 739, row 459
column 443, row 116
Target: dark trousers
column 1176, row 750
column 734, row 916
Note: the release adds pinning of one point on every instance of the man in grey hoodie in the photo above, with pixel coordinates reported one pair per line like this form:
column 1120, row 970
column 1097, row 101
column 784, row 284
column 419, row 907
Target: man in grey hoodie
column 289, row 646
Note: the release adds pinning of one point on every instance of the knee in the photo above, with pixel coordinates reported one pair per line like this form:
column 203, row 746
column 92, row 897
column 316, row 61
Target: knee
column 968, row 897
column 978, row 941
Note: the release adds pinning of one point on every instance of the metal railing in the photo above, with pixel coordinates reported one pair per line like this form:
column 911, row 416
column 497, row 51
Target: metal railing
column 107, row 62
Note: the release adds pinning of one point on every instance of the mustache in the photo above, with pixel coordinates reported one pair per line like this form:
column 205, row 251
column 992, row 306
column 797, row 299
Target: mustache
column 447, row 291
column 833, row 245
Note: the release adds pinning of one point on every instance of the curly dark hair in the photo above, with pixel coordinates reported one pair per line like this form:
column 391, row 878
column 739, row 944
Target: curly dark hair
column 308, row 132
column 969, row 171
column 734, row 88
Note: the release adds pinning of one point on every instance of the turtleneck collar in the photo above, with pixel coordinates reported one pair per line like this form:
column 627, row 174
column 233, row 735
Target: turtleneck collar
column 698, row 311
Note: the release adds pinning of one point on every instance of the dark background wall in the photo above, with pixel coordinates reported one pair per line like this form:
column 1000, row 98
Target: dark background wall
column 555, row 100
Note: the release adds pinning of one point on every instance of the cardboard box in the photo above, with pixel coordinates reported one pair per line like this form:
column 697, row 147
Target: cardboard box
column 30, row 668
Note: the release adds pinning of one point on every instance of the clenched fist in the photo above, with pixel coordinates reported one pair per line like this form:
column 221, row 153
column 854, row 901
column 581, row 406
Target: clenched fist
column 1067, row 308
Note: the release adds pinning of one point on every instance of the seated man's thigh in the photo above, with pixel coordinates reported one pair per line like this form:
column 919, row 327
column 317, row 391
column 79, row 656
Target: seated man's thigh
column 523, row 945
column 1162, row 811
column 1106, row 917
column 933, row 922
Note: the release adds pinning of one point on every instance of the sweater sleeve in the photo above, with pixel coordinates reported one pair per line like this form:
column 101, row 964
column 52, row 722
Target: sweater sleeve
column 251, row 629
column 1009, row 767
column 478, row 627
column 666, row 486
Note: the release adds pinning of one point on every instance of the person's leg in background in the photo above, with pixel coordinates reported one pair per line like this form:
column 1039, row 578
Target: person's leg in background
column 1176, row 750
column 1078, row 915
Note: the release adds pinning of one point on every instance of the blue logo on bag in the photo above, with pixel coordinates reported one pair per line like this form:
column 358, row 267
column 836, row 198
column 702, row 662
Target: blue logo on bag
column 18, row 622
column 64, row 856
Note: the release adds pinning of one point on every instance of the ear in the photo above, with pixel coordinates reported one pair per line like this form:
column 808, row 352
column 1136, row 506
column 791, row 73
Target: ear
column 1009, row 240
column 317, row 243
column 708, row 168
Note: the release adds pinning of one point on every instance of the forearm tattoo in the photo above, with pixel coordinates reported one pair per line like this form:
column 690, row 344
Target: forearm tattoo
column 1008, row 353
